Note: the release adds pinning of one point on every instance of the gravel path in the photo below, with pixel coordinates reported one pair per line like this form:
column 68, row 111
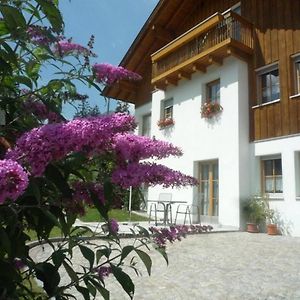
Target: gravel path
column 218, row 266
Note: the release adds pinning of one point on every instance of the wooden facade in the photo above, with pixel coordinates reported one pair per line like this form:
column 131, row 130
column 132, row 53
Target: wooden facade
column 276, row 39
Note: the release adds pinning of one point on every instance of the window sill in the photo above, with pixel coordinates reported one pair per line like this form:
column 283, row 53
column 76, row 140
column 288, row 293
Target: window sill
column 276, row 197
column 264, row 104
column 295, row 96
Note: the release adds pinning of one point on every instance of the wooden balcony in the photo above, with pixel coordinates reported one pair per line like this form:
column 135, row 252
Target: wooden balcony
column 207, row 43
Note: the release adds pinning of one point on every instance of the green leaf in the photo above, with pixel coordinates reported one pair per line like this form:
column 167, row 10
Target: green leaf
column 125, row 251
column 124, row 280
column 12, row 17
column 58, row 258
column 3, row 28
column 24, row 80
column 90, row 287
column 145, row 259
column 84, row 292
column 54, row 174
column 162, row 251
column 72, row 274
column 88, row 254
column 49, row 275
column 103, row 291
column 5, row 241
column 143, row 231
column 53, row 14
column 103, row 252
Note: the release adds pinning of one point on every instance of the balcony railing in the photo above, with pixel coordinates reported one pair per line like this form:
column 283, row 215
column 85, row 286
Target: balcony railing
column 212, row 37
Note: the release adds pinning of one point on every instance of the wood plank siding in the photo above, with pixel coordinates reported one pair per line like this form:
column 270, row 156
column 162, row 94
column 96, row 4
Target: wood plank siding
column 276, row 39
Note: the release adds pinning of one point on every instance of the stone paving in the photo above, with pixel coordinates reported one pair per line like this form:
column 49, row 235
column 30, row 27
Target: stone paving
column 234, row 265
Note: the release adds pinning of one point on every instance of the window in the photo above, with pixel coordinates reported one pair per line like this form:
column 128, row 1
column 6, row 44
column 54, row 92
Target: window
column 268, row 84
column 237, row 8
column 213, row 91
column 272, row 176
column 167, row 112
column 146, row 125
column 296, row 61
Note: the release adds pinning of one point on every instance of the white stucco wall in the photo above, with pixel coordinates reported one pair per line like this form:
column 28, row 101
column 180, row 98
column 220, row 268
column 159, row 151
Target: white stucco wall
column 224, row 139
column 288, row 205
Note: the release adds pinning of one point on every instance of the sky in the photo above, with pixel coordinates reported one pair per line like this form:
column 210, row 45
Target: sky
column 115, row 24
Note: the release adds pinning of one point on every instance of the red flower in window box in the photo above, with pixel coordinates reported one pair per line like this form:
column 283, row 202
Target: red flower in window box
column 210, row 109
column 165, row 122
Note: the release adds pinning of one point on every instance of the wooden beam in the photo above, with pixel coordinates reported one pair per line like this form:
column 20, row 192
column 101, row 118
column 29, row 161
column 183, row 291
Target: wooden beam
column 170, row 80
column 199, row 67
column 159, row 86
column 238, row 54
column 184, row 74
column 128, row 86
column 162, row 34
column 215, row 60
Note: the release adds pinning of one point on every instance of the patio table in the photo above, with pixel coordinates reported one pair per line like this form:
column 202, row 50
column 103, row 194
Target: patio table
column 167, row 204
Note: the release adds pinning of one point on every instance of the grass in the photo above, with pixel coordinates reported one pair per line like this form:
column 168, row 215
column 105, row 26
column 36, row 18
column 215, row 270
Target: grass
column 92, row 215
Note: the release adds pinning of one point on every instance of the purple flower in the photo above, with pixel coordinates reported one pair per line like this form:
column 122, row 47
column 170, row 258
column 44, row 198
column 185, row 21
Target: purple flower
column 13, row 180
column 39, row 109
column 104, row 272
column 113, row 226
column 134, row 174
column 40, row 35
column 64, row 48
column 133, row 148
column 83, row 190
column 19, row 264
column 51, row 142
column 109, row 74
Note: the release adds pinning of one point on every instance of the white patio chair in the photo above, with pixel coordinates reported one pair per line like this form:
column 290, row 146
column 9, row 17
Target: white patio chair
column 162, row 207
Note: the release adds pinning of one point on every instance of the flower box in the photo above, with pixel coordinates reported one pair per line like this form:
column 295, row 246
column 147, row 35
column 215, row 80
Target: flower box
column 165, row 123
column 210, row 109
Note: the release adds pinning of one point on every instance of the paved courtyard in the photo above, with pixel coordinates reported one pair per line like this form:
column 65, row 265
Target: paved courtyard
column 233, row 265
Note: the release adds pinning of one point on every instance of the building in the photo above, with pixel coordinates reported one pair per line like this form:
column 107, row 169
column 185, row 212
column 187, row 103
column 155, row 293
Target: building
column 243, row 60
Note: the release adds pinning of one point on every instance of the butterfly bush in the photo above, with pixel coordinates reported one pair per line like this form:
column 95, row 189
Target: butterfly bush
column 63, row 48
column 83, row 190
column 109, row 74
column 103, row 271
column 40, row 110
column 41, row 35
column 134, row 174
column 161, row 236
column 113, row 226
column 13, row 180
column 130, row 147
column 51, row 142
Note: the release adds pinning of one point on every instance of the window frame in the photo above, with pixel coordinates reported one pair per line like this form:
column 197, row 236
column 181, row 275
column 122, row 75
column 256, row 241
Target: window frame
column 265, row 70
column 143, row 124
column 275, row 194
column 208, row 86
column 167, row 112
column 296, row 73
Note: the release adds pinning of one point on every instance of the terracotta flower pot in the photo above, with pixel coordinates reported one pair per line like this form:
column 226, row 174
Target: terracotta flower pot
column 272, row 229
column 252, row 227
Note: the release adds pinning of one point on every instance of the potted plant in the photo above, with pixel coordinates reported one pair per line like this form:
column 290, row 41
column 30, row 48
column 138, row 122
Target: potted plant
column 210, row 109
column 255, row 212
column 272, row 228
column 165, row 122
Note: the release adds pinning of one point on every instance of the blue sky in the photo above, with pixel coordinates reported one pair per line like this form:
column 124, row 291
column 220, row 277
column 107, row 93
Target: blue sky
column 115, row 24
